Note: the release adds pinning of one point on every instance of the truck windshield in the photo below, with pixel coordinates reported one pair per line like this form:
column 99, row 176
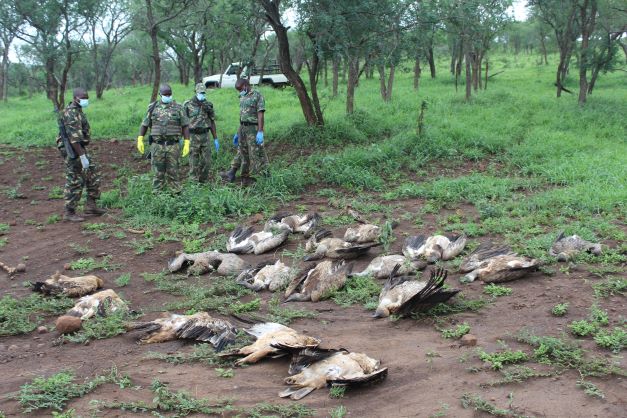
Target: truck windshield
column 232, row 70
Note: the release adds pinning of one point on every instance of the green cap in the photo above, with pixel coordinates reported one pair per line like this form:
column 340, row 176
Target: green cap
column 200, row 88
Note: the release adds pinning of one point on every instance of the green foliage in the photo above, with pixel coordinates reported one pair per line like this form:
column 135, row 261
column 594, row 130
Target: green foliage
column 53, row 219
column 590, row 389
column 460, row 304
column 284, row 315
column 599, row 316
column 563, row 354
column 457, row 332
column 517, row 374
column 178, row 403
column 123, row 280
column 610, row 287
column 339, row 412
column 55, row 391
column 100, row 327
column 496, row 290
column 4, row 228
column 614, row 340
column 476, row 402
column 253, row 305
column 337, row 391
column 203, row 354
column 560, row 309
column 498, row 359
column 19, row 316
column 358, row 290
column 225, row 373
column 266, row 410
column 90, row 264
column 582, row 328
column 79, row 249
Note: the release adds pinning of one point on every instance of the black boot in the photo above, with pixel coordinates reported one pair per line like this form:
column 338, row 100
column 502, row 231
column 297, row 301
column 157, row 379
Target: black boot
column 229, row 176
column 92, row 209
column 71, row 216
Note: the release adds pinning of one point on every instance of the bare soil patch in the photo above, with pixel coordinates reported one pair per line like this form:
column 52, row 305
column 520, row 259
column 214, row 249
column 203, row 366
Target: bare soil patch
column 427, row 373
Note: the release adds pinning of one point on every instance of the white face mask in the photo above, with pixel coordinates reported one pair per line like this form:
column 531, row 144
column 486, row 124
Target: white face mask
column 166, row 99
column 83, row 103
column 201, row 96
column 243, row 93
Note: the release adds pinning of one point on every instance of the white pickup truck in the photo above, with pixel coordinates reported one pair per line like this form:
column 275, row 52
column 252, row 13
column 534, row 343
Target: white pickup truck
column 267, row 76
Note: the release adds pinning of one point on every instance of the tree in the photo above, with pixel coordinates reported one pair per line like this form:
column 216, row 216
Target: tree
column 273, row 17
column 587, row 16
column 109, row 23
column 561, row 16
column 10, row 21
column 53, row 33
column 150, row 16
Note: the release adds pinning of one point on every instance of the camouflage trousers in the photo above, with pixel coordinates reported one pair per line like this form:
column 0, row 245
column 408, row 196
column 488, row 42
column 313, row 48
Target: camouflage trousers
column 76, row 179
column 199, row 157
column 164, row 160
column 251, row 158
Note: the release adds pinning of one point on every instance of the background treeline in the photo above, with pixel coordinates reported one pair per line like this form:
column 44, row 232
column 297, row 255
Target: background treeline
column 102, row 44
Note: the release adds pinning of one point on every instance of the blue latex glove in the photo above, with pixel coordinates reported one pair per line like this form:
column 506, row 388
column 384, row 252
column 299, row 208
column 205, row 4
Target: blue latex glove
column 236, row 139
column 216, row 144
column 259, row 138
column 84, row 162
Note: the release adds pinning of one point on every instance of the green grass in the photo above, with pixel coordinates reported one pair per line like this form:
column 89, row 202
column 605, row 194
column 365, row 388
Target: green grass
column 55, row 391
column 498, row 359
column 22, row 315
column 610, row 287
column 99, row 328
column 560, row 309
column 358, row 290
column 614, row 340
column 123, row 280
column 476, row 402
column 89, row 264
column 495, row 290
column 582, row 328
column 457, row 332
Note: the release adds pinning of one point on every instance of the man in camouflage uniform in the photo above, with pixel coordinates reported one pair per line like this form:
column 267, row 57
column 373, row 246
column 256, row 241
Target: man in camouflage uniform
column 167, row 122
column 201, row 121
column 82, row 171
column 251, row 154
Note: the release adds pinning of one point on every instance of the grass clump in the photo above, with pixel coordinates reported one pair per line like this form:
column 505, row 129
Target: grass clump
column 89, row 264
column 460, row 304
column 202, row 353
column 266, row 410
column 614, row 340
column 476, row 402
column 19, row 316
column 457, row 332
column 179, row 403
column 337, row 391
column 225, row 373
column 362, row 290
column 582, row 328
column 499, row 359
column 495, row 290
column 560, row 309
column 517, row 374
column 55, row 391
column 283, row 315
column 339, row 412
column 100, row 328
column 590, row 389
column 610, row 287
column 123, row 280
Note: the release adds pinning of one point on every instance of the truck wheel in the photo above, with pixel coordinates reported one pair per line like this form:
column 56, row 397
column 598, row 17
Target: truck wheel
column 211, row 85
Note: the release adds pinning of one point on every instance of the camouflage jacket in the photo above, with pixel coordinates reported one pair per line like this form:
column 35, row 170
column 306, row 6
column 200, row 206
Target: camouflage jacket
column 200, row 114
column 165, row 119
column 76, row 125
column 249, row 105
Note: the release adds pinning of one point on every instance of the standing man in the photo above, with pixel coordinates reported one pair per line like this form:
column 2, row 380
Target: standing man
column 201, row 121
column 249, row 137
column 80, row 171
column 167, row 121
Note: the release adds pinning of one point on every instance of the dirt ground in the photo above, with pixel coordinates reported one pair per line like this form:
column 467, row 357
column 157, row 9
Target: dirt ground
column 427, row 373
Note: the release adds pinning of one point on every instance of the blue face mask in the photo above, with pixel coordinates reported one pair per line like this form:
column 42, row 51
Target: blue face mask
column 200, row 96
column 83, row 103
column 166, row 99
column 243, row 93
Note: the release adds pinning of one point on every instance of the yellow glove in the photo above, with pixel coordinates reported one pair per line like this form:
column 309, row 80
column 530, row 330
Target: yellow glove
column 185, row 148
column 140, row 144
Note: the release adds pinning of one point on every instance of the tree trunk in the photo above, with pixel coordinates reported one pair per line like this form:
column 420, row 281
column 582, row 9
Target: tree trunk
column 313, row 83
column 587, row 27
column 382, row 84
column 336, row 75
column 543, row 45
column 417, row 72
column 4, row 82
column 431, row 60
column 391, row 81
column 468, row 77
column 353, row 76
column 273, row 17
column 485, row 84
